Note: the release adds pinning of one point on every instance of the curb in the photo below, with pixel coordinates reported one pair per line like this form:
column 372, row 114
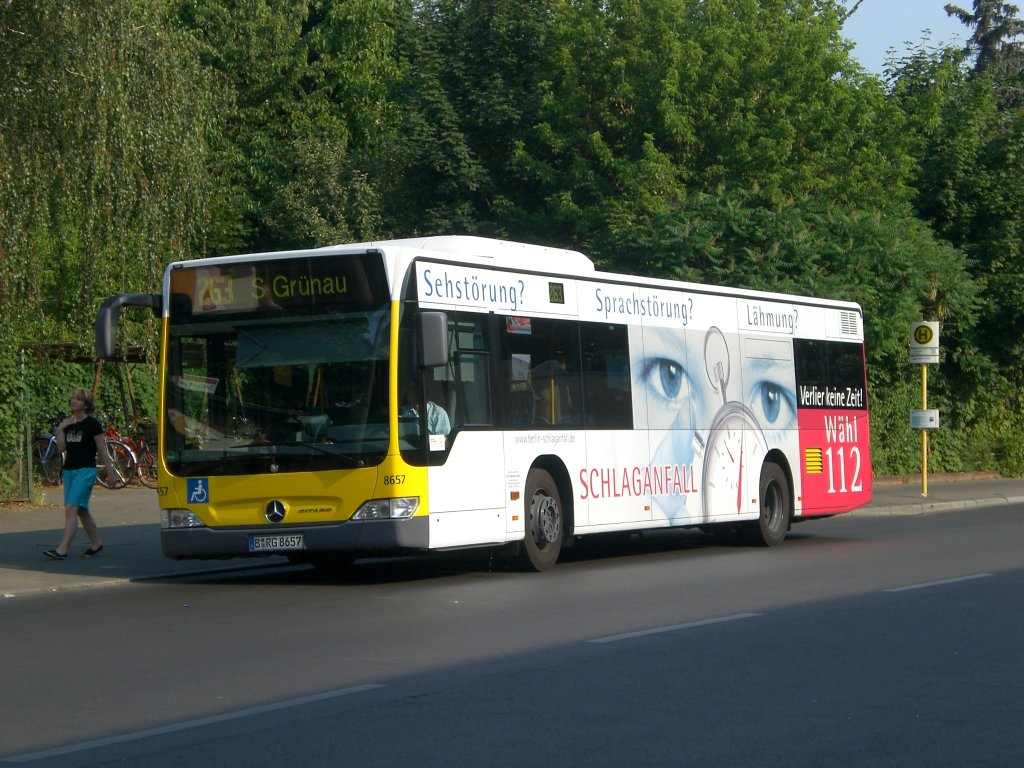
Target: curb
column 936, row 477
column 925, row 507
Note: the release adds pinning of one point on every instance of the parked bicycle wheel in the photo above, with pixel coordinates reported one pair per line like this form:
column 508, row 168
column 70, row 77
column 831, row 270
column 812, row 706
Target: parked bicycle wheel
column 147, row 466
column 124, row 461
column 46, row 461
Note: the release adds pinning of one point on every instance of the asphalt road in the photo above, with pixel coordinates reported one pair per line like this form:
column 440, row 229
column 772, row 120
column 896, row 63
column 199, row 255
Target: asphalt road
column 861, row 641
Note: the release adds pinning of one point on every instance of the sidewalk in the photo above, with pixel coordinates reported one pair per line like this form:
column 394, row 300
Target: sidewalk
column 129, row 521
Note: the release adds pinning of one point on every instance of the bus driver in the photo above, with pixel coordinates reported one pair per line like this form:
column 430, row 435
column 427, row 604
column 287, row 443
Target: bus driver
column 438, row 422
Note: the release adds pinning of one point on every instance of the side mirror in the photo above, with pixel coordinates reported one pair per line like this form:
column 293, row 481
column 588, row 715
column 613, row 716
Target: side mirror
column 433, row 339
column 107, row 317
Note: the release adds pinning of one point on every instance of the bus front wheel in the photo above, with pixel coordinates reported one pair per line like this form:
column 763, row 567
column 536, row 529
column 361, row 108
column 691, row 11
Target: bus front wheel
column 545, row 522
column 772, row 524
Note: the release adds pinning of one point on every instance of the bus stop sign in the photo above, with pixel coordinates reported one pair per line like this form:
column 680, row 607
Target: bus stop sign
column 924, row 342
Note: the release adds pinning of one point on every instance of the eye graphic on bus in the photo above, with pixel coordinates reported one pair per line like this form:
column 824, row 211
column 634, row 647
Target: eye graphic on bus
column 663, row 379
column 771, row 400
column 770, row 394
column 772, row 403
column 728, row 397
column 666, row 379
column 674, row 398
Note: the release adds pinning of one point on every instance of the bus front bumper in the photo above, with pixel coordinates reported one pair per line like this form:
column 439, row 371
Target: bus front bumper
column 353, row 536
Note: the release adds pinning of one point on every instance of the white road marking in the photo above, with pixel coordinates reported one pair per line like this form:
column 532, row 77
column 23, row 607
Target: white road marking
column 673, row 628
column 188, row 724
column 942, row 583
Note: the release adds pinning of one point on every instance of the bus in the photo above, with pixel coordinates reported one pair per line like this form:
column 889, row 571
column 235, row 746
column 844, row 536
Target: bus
column 452, row 392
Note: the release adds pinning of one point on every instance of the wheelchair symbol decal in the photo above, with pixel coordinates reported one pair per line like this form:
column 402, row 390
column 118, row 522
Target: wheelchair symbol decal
column 197, row 490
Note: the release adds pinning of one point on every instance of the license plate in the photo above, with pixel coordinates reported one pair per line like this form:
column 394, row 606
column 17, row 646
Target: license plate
column 276, row 543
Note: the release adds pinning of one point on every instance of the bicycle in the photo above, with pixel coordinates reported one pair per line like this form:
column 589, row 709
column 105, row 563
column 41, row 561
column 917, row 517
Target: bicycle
column 144, row 442
column 125, row 465
column 47, row 460
column 139, row 442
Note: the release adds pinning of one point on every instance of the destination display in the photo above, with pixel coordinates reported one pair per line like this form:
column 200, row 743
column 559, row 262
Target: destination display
column 274, row 285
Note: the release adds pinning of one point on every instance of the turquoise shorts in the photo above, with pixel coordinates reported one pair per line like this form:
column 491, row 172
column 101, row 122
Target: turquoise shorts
column 78, row 485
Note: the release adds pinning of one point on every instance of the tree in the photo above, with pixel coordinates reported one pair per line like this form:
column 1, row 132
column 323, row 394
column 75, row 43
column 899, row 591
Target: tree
column 307, row 122
column 609, row 114
column 967, row 142
column 470, row 87
column 434, row 174
column 995, row 24
column 647, row 102
column 104, row 116
column 102, row 157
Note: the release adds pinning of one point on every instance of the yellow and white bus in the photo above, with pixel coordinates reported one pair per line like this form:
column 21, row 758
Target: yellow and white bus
column 450, row 392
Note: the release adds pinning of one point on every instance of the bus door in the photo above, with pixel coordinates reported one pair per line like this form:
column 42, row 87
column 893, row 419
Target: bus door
column 446, row 422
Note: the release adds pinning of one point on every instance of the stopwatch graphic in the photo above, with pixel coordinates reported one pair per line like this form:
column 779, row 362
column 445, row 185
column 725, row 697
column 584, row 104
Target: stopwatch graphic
column 735, row 442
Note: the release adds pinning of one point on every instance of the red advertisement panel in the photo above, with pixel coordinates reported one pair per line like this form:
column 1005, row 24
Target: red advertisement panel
column 835, row 459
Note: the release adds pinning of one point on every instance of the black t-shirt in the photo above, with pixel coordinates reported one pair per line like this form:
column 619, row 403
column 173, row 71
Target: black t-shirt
column 80, row 439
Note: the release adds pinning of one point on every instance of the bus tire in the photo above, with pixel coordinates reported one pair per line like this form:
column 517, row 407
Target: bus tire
column 770, row 528
column 545, row 522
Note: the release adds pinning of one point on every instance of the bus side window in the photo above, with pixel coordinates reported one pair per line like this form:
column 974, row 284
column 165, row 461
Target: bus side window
column 464, row 387
column 471, row 390
column 607, row 385
column 520, row 400
column 541, row 372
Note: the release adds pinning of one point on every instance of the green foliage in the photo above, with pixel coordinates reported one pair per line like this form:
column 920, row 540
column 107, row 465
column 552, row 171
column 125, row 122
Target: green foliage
column 104, row 116
column 103, row 145
column 306, row 125
column 995, row 441
column 611, row 110
column 12, row 428
column 967, row 139
column 993, row 25
column 434, row 173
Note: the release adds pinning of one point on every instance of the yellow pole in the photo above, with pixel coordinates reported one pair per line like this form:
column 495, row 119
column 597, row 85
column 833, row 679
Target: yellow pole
column 924, row 432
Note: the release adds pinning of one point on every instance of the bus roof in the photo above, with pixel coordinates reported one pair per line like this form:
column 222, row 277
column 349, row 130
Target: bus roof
column 501, row 253
column 505, row 255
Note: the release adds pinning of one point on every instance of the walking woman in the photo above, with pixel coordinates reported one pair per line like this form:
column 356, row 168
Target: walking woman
column 80, row 437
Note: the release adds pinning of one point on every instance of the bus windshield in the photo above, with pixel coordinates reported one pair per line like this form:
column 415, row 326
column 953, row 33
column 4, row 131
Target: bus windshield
column 277, row 367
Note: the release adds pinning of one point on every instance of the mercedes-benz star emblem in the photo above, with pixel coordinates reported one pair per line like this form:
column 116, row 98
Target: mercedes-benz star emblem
column 275, row 511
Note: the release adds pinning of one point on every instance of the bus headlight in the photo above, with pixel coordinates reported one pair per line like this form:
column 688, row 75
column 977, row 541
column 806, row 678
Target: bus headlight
column 180, row 518
column 388, row 509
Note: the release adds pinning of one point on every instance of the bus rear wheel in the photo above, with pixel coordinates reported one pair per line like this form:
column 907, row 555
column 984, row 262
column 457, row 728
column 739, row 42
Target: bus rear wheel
column 545, row 522
column 770, row 528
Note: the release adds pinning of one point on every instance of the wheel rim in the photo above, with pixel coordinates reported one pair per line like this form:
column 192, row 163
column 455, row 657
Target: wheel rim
column 546, row 519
